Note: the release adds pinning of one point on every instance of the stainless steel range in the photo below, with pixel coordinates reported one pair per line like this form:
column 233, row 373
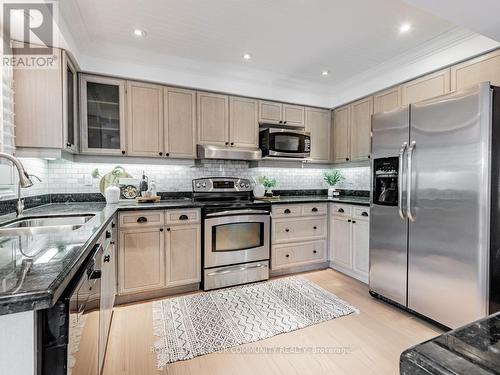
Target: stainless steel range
column 235, row 231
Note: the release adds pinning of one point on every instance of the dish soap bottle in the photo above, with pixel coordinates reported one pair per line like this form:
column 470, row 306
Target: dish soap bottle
column 143, row 185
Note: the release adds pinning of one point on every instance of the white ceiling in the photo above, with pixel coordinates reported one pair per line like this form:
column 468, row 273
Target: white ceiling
column 291, row 41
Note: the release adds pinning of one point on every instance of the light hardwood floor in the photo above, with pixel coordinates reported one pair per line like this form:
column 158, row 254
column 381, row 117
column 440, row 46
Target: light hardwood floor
column 375, row 338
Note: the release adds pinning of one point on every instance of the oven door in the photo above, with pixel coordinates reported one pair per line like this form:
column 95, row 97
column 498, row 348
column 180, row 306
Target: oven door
column 289, row 143
column 234, row 237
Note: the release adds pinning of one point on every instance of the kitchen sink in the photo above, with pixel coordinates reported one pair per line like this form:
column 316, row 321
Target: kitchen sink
column 44, row 225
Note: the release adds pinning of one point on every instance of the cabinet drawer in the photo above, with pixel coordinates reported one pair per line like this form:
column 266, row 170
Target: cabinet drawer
column 182, row 216
column 361, row 213
column 287, row 210
column 149, row 218
column 290, row 230
column 314, row 209
column 298, row 253
column 341, row 210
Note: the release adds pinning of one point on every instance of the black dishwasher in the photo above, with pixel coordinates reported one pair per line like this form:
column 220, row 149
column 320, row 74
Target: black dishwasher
column 69, row 331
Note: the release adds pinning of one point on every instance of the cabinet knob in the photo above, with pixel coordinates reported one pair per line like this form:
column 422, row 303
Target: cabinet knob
column 315, row 227
column 108, row 234
column 107, row 258
column 112, row 243
column 168, row 229
column 341, row 210
column 113, row 225
column 314, row 209
column 161, row 229
column 314, row 251
column 227, row 143
column 123, row 152
column 160, row 153
column 232, row 143
column 281, row 122
column 287, row 255
column 349, row 220
column 183, row 217
column 167, row 154
column 287, row 230
column 287, row 211
column 142, row 219
column 346, row 159
column 284, row 122
column 354, row 222
column 369, row 157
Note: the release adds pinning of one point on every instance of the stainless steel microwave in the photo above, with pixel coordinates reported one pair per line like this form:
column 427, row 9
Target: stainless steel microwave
column 288, row 143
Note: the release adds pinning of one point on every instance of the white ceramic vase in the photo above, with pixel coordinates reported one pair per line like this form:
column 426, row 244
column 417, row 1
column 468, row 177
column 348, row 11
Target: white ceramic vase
column 112, row 194
column 331, row 191
column 259, row 190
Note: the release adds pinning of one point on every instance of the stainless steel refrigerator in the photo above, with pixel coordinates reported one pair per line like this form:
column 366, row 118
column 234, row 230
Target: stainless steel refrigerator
column 434, row 208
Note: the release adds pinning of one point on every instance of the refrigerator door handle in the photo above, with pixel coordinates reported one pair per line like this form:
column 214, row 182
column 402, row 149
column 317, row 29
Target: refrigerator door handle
column 409, row 212
column 402, row 151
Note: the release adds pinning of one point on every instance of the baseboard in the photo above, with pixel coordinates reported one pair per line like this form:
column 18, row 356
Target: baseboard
column 299, row 268
column 348, row 272
column 154, row 294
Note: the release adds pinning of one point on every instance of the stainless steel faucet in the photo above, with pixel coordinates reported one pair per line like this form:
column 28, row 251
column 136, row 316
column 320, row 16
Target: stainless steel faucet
column 24, row 180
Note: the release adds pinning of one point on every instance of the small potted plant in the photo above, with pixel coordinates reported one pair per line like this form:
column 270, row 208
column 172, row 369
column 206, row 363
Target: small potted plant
column 268, row 184
column 332, row 178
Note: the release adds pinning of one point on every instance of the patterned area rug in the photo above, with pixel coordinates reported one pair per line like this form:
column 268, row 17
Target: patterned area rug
column 202, row 323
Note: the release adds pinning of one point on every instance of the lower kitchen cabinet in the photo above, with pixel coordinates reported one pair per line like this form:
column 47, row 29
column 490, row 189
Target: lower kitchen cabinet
column 349, row 240
column 299, row 237
column 183, row 255
column 141, row 260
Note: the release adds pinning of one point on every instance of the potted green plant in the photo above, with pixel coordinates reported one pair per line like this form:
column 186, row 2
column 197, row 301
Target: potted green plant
column 332, row 178
column 269, row 184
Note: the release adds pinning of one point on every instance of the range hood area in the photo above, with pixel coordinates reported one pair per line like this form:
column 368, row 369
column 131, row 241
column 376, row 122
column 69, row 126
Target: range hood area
column 228, row 153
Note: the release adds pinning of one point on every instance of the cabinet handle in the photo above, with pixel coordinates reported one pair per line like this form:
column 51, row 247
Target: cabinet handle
column 314, row 251
column 287, row 255
column 315, row 227
column 341, row 210
column 227, row 143
column 354, row 222
column 369, row 157
column 167, row 154
column 112, row 243
column 168, row 229
column 142, row 219
column 287, row 230
column 108, row 234
column 349, row 220
column 113, row 225
column 107, row 258
column 123, row 152
column 160, row 153
column 314, row 209
column 284, row 122
column 287, row 211
column 232, row 143
column 364, row 213
column 183, row 217
column 161, row 229
column 346, row 159
column 281, row 122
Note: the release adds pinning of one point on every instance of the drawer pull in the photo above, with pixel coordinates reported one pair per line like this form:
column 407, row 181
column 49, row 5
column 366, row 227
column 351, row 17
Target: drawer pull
column 287, row 255
column 314, row 251
column 349, row 220
column 107, row 258
column 354, row 222
column 183, row 217
column 341, row 210
column 287, row 211
column 315, row 227
column 142, row 219
column 287, row 230
column 108, row 234
column 364, row 213
column 314, row 209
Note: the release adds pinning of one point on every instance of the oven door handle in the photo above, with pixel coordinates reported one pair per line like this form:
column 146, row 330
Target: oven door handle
column 230, row 269
column 237, row 212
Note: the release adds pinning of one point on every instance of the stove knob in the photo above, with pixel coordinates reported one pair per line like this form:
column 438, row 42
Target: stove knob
column 247, row 185
column 198, row 185
column 204, row 184
column 242, row 185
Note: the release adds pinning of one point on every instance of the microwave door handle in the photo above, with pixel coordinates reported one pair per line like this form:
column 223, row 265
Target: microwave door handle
column 409, row 212
column 402, row 151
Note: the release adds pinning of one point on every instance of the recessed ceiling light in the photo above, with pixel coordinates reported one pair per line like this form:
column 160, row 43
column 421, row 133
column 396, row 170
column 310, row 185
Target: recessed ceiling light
column 405, row 28
column 325, row 73
column 139, row 32
column 247, row 56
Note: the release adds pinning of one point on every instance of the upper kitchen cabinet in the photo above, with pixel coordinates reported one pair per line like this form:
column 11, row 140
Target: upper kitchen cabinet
column 102, row 111
column 45, row 105
column 426, row 87
column 180, row 123
column 387, row 100
column 341, row 125
column 281, row 114
column 319, row 123
column 213, row 119
column 144, row 119
column 481, row 69
column 243, row 122
column 360, row 133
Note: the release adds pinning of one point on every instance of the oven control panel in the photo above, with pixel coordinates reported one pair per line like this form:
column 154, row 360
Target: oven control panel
column 221, row 184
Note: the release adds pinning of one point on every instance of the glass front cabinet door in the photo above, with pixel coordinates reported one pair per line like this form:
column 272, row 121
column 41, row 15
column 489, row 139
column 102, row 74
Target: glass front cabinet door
column 70, row 106
column 102, row 115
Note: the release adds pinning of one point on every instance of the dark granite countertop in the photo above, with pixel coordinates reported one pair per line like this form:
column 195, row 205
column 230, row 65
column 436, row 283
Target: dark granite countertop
column 45, row 279
column 361, row 201
column 472, row 349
